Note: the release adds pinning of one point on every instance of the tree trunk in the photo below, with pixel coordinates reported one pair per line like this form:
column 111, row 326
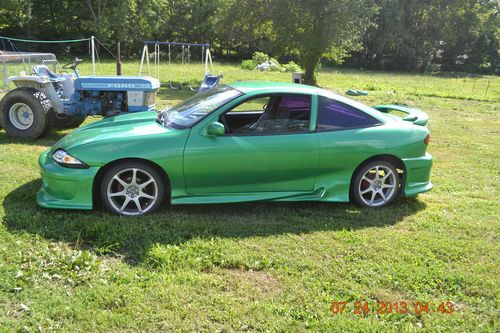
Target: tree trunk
column 309, row 77
column 310, row 63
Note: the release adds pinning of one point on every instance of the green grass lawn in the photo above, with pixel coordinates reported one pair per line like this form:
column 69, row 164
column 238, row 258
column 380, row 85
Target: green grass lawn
column 269, row 266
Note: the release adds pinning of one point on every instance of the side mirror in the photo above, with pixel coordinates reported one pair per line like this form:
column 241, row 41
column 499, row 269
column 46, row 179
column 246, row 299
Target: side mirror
column 215, row 129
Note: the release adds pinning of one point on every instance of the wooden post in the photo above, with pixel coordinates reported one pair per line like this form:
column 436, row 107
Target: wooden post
column 118, row 59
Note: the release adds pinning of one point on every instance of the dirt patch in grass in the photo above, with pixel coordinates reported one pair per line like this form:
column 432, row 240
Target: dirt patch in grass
column 258, row 283
column 386, row 295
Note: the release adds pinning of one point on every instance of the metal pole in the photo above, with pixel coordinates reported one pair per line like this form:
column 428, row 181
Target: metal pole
column 158, row 60
column 4, row 73
column 154, row 54
column 487, row 87
column 202, row 58
column 147, row 61
column 142, row 59
column 92, row 45
column 118, row 59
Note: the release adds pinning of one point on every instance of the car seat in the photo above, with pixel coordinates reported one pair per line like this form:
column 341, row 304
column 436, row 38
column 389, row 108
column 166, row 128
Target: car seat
column 273, row 121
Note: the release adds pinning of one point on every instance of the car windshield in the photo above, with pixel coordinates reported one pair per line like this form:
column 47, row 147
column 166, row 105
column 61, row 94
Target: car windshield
column 190, row 111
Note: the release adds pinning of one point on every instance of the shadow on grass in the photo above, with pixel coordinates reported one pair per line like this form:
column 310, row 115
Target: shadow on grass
column 47, row 141
column 132, row 237
column 332, row 68
column 165, row 94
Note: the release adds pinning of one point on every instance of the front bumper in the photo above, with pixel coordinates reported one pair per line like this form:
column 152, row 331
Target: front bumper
column 64, row 188
column 417, row 175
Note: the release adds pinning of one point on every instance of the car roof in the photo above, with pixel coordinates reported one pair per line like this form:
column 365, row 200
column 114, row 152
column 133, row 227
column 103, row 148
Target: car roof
column 252, row 86
column 288, row 87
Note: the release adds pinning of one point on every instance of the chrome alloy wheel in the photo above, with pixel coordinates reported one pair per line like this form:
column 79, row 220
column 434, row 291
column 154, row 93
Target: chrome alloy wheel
column 21, row 116
column 377, row 186
column 132, row 191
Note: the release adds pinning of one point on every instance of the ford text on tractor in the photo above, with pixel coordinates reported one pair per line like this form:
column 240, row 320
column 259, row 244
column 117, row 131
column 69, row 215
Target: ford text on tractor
column 43, row 99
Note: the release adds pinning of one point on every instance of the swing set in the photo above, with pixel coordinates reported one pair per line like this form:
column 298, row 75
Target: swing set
column 210, row 80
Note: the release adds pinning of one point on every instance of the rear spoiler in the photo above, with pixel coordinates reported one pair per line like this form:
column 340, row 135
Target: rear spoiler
column 416, row 116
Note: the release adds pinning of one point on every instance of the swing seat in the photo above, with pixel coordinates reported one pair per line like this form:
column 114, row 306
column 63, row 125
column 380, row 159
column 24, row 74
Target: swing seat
column 210, row 82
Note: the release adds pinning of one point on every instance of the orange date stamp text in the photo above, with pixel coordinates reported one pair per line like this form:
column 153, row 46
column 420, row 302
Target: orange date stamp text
column 386, row 308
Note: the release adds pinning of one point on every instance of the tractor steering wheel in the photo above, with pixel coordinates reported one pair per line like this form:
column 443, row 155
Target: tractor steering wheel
column 72, row 65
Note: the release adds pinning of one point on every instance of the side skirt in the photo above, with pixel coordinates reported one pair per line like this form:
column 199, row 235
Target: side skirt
column 246, row 197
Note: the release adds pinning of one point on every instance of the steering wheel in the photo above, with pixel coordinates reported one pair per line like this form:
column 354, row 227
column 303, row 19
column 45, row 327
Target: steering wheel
column 72, row 65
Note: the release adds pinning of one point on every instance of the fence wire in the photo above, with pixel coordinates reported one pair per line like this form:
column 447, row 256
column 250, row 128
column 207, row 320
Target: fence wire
column 19, row 63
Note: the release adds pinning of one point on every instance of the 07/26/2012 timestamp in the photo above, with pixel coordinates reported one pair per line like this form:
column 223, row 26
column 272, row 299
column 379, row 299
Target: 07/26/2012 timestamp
column 400, row 307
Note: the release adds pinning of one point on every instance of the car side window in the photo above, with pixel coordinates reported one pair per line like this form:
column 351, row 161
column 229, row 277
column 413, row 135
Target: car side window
column 334, row 115
column 253, row 105
column 269, row 115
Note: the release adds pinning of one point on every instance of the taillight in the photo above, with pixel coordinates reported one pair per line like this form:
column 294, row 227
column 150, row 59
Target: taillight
column 427, row 139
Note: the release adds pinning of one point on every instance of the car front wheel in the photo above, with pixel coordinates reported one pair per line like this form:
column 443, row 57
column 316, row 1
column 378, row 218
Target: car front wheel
column 132, row 188
column 376, row 184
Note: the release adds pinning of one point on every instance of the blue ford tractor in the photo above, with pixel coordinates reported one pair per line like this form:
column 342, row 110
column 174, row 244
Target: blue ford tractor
column 45, row 99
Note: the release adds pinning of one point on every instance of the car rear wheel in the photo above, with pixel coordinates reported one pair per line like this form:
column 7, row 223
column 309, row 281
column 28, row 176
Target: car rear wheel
column 132, row 188
column 376, row 184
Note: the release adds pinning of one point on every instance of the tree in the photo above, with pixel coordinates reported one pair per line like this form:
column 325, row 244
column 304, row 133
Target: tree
column 471, row 33
column 406, row 34
column 97, row 13
column 244, row 26
column 134, row 21
column 320, row 28
column 14, row 14
column 432, row 35
column 190, row 21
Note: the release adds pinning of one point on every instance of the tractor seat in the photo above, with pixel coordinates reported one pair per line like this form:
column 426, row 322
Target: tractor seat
column 42, row 70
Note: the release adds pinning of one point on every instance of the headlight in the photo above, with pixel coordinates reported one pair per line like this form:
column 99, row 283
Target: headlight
column 65, row 159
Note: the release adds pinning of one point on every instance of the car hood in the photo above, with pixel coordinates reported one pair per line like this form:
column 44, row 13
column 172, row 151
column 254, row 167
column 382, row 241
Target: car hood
column 130, row 126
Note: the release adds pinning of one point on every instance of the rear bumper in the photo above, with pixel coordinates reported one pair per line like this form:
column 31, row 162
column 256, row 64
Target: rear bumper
column 417, row 175
column 64, row 188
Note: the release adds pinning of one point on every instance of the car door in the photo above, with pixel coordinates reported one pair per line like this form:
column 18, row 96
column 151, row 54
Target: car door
column 275, row 157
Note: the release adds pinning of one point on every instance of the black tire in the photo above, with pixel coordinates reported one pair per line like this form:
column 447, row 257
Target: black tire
column 379, row 192
column 40, row 106
column 69, row 122
column 125, row 173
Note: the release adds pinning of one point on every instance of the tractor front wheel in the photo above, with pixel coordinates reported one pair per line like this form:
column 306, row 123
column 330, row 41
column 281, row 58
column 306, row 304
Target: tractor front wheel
column 69, row 122
column 26, row 113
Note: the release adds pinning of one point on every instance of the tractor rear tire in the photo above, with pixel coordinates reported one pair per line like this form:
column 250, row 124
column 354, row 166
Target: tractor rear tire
column 69, row 122
column 26, row 113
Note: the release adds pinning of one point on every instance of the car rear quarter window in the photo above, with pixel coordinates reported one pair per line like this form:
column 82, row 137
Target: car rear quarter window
column 334, row 115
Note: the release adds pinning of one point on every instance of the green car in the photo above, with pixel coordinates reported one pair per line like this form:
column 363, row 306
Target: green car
column 247, row 141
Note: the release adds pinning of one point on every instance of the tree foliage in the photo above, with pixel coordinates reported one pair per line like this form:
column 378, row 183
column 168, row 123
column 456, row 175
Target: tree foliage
column 428, row 35
column 416, row 35
column 321, row 28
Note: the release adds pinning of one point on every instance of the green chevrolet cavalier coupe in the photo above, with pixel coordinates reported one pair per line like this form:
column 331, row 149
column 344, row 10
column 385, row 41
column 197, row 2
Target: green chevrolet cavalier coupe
column 246, row 141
